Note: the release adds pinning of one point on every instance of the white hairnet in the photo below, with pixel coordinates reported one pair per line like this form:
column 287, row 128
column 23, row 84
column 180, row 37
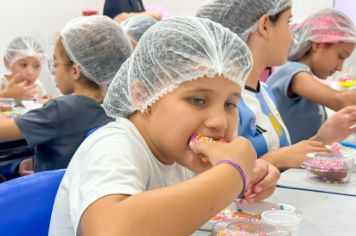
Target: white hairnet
column 98, row 45
column 325, row 26
column 241, row 16
column 137, row 25
column 171, row 52
column 22, row 47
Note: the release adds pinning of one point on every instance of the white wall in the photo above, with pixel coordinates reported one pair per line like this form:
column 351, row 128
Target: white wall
column 42, row 19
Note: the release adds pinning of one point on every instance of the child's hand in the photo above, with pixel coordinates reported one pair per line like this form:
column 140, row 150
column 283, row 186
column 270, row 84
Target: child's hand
column 26, row 167
column 337, row 127
column 45, row 99
column 240, row 150
column 19, row 89
column 263, row 183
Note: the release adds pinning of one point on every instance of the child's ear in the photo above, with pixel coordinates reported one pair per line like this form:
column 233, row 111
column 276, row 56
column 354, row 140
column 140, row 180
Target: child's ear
column 263, row 25
column 315, row 46
column 76, row 72
column 6, row 63
column 138, row 93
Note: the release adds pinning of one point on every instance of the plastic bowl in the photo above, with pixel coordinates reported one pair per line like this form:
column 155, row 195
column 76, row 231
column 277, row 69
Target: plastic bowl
column 7, row 104
column 246, row 227
column 329, row 167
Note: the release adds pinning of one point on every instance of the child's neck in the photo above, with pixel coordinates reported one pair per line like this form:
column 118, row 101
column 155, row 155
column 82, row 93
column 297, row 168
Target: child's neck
column 306, row 60
column 95, row 94
column 254, row 77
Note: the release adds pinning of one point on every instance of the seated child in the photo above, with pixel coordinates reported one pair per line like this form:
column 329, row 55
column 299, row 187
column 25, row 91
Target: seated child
column 320, row 45
column 86, row 57
column 135, row 176
column 24, row 58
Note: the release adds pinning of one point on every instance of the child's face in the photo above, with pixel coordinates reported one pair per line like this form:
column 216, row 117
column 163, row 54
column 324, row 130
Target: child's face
column 61, row 71
column 28, row 68
column 280, row 39
column 327, row 59
column 206, row 106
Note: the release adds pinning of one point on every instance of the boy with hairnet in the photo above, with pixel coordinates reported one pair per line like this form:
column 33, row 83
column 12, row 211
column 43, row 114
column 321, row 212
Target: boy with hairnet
column 86, row 57
column 144, row 173
column 136, row 26
column 264, row 26
column 24, row 58
column 320, row 45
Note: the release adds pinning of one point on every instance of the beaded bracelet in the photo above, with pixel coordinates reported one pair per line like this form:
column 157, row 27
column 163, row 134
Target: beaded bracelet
column 240, row 170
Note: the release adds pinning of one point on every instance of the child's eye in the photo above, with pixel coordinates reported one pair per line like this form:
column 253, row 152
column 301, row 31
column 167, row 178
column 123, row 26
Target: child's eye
column 37, row 66
column 230, row 106
column 23, row 65
column 197, row 101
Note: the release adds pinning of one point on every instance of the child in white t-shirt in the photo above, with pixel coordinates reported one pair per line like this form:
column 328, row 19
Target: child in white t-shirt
column 149, row 173
column 24, row 58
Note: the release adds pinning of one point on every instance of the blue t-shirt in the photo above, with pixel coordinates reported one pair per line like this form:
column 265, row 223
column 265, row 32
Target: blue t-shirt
column 260, row 121
column 58, row 128
column 303, row 117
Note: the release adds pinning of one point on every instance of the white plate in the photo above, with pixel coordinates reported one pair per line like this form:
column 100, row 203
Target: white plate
column 254, row 208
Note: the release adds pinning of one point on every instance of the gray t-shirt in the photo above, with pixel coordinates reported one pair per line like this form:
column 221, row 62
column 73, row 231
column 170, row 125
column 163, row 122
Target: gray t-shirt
column 58, row 128
column 302, row 117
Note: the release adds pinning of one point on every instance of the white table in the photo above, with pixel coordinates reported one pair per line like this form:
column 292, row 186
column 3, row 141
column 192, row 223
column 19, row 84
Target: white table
column 297, row 178
column 323, row 214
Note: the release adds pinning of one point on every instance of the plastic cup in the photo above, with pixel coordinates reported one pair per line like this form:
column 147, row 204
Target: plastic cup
column 282, row 219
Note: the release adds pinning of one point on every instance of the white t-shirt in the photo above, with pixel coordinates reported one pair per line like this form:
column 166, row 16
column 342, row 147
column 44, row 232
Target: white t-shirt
column 113, row 160
column 40, row 89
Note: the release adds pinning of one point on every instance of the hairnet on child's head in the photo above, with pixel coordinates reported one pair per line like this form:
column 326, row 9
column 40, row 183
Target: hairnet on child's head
column 241, row 16
column 98, row 45
column 136, row 26
column 171, row 52
column 325, row 26
column 22, row 47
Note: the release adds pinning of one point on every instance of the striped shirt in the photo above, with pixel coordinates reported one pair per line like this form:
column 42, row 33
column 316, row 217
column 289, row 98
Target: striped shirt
column 260, row 121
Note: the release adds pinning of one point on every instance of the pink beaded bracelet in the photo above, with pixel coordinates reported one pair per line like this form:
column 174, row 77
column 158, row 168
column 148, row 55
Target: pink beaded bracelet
column 240, row 170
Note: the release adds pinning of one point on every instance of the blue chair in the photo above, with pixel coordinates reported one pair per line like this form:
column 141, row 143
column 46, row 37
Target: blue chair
column 26, row 203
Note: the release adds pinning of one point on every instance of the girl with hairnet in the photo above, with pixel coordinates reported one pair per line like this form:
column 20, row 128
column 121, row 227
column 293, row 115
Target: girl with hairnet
column 144, row 173
column 86, row 57
column 264, row 26
column 320, row 45
column 136, row 26
column 24, row 58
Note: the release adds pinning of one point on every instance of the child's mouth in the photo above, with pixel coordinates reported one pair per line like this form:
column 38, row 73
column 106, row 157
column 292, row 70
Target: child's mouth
column 196, row 138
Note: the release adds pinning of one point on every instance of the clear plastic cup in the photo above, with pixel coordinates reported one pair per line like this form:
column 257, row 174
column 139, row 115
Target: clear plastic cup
column 247, row 227
column 284, row 219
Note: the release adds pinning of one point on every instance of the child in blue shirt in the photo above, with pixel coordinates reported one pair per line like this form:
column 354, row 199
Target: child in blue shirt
column 86, row 57
column 320, row 45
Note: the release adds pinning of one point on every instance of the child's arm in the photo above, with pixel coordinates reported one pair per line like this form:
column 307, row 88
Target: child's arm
column 293, row 156
column 305, row 85
column 179, row 209
column 8, row 129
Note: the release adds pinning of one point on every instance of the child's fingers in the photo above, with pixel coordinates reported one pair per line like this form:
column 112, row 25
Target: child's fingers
column 16, row 78
column 203, row 148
